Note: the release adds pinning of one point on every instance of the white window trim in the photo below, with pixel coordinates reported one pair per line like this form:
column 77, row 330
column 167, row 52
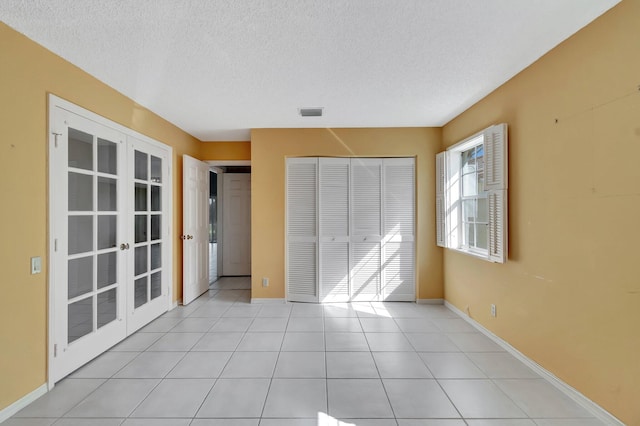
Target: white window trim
column 448, row 194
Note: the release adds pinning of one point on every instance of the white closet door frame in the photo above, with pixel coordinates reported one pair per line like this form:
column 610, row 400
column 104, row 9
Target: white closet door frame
column 57, row 105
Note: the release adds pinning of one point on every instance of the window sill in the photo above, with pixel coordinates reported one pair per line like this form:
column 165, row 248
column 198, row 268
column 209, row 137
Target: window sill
column 477, row 255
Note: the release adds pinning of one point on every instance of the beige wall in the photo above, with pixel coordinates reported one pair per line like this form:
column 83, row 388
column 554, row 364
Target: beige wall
column 234, row 151
column 569, row 295
column 28, row 73
column 270, row 147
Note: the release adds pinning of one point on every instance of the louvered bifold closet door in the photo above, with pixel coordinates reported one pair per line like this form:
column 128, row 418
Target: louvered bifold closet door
column 301, row 229
column 334, row 229
column 366, row 229
column 398, row 220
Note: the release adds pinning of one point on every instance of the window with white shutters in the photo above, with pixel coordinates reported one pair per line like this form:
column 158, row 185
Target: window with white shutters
column 471, row 195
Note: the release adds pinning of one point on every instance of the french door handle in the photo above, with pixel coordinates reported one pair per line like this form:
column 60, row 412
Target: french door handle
column 186, row 237
column 124, row 246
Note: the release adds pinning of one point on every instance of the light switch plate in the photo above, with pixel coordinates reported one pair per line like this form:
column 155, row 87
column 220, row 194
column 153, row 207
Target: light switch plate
column 36, row 265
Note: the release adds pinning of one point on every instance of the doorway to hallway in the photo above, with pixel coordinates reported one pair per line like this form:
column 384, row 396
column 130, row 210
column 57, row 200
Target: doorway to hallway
column 230, row 222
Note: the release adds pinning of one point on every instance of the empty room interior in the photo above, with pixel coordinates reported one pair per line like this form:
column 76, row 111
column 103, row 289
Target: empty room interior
column 427, row 213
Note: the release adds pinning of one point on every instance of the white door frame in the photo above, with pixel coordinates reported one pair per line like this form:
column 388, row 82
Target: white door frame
column 218, row 171
column 216, row 166
column 57, row 102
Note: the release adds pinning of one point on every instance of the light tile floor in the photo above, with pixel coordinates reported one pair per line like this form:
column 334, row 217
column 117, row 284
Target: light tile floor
column 223, row 361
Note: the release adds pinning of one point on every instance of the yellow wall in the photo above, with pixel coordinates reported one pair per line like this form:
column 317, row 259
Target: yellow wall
column 270, row 147
column 225, row 151
column 28, row 73
column 569, row 295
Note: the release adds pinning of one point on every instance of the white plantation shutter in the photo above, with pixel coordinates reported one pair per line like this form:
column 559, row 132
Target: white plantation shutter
column 495, row 154
column 441, row 161
column 496, row 184
column 398, row 258
column 334, row 229
column 365, row 219
column 301, row 229
column 497, row 201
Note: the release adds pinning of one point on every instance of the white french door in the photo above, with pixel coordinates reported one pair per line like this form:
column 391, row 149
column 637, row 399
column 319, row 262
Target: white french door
column 350, row 229
column 87, row 265
column 100, row 252
column 148, row 210
column 195, row 224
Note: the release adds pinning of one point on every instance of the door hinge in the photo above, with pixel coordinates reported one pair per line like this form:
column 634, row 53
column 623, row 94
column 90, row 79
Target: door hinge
column 55, row 349
column 55, row 244
column 55, row 138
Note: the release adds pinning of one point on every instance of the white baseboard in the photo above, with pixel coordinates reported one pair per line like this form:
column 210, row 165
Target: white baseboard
column 22, row 402
column 268, row 301
column 430, row 301
column 597, row 411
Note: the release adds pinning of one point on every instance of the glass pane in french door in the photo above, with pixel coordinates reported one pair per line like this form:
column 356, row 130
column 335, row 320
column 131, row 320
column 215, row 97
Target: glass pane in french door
column 92, row 233
column 147, row 224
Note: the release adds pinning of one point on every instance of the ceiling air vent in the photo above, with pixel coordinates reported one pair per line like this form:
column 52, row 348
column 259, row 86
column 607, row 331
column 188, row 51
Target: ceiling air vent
column 310, row 112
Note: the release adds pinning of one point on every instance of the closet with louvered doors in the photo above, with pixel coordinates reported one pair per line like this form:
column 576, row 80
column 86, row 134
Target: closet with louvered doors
column 350, row 229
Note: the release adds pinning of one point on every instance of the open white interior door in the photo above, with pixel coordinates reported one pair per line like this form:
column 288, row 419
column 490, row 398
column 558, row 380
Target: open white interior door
column 195, row 217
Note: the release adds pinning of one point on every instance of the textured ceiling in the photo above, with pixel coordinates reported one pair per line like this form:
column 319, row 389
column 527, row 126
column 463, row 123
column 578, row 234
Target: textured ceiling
column 218, row 68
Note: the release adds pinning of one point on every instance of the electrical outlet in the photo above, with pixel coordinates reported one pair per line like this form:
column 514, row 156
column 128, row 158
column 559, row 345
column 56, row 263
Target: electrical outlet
column 265, row 282
column 493, row 310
